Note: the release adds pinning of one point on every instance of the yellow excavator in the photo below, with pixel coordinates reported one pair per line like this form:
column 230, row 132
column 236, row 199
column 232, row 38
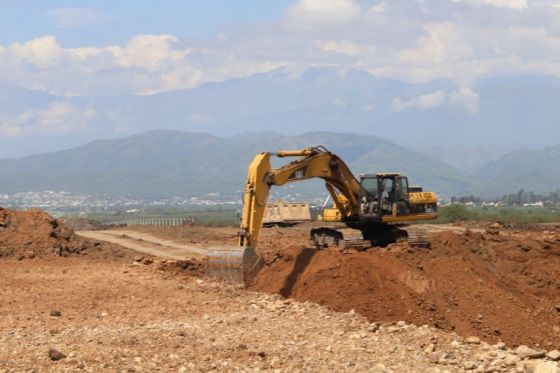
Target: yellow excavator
column 374, row 206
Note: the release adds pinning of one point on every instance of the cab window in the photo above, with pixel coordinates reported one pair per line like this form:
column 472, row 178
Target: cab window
column 370, row 186
column 402, row 188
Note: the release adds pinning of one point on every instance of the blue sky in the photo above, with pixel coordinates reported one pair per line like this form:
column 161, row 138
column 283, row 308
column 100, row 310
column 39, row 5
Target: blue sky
column 114, row 22
column 82, row 52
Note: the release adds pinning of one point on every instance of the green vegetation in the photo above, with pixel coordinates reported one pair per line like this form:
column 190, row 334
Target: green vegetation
column 459, row 212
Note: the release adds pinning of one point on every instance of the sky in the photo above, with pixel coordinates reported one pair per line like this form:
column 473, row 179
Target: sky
column 84, row 48
column 110, row 48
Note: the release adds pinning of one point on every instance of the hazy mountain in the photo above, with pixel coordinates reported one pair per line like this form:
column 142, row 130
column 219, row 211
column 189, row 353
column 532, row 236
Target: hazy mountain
column 466, row 158
column 169, row 163
column 518, row 111
column 531, row 170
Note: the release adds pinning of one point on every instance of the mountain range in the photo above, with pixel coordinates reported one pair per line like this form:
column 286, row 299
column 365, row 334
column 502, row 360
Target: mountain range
column 166, row 163
column 508, row 112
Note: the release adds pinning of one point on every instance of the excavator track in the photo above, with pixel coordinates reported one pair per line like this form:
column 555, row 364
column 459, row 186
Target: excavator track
column 417, row 236
column 345, row 238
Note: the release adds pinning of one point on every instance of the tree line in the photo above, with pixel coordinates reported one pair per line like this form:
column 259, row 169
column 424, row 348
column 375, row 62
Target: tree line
column 519, row 198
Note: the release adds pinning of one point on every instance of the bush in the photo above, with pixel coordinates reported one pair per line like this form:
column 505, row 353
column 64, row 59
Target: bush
column 452, row 213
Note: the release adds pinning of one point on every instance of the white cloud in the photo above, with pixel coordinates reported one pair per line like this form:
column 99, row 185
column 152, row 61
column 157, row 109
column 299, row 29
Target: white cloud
column 462, row 96
column 44, row 52
column 342, row 47
column 465, row 96
column 413, row 41
column 147, row 64
column 304, row 14
column 85, row 53
column 148, row 52
column 425, row 101
column 513, row 4
column 58, row 117
column 74, row 17
column 378, row 8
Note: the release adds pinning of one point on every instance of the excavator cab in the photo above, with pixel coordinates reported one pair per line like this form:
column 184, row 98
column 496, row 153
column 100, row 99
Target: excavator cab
column 383, row 195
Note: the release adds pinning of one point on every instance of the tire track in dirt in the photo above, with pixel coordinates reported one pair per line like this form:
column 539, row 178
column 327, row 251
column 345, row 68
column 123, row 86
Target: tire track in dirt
column 145, row 243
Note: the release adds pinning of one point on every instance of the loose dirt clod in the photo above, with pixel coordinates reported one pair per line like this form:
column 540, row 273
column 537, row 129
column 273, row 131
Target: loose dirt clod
column 56, row 355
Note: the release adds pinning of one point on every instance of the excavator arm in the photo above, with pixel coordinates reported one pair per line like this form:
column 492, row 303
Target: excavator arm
column 315, row 162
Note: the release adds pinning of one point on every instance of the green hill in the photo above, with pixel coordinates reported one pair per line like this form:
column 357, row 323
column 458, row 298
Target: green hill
column 532, row 170
column 160, row 164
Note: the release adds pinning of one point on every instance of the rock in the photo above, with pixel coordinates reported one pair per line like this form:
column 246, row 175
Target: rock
column 553, row 355
column 500, row 346
column 469, row 365
column 434, row 358
column 546, row 367
column 401, row 324
column 473, row 340
column 56, row 355
column 373, row 327
column 56, row 313
column 511, row 360
column 430, row 348
column 526, row 352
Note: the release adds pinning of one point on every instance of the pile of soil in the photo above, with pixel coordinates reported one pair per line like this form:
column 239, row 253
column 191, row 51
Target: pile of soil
column 500, row 285
column 83, row 224
column 34, row 233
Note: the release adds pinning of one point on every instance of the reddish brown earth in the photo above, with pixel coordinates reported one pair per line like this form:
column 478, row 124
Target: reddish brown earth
column 499, row 285
column 35, row 234
column 114, row 309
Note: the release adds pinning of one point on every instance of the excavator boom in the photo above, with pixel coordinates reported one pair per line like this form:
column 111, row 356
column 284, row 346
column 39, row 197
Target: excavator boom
column 313, row 163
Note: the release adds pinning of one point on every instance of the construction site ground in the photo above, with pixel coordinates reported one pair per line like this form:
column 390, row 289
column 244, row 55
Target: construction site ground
column 466, row 304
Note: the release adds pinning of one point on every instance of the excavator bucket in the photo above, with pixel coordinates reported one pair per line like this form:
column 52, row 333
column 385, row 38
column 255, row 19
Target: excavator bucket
column 233, row 264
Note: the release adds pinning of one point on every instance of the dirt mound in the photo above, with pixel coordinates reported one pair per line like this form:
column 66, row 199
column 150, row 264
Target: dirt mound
column 34, row 233
column 498, row 285
column 83, row 224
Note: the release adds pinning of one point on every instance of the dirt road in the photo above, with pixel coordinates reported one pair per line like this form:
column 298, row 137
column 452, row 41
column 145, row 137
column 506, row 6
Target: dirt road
column 115, row 315
column 146, row 243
